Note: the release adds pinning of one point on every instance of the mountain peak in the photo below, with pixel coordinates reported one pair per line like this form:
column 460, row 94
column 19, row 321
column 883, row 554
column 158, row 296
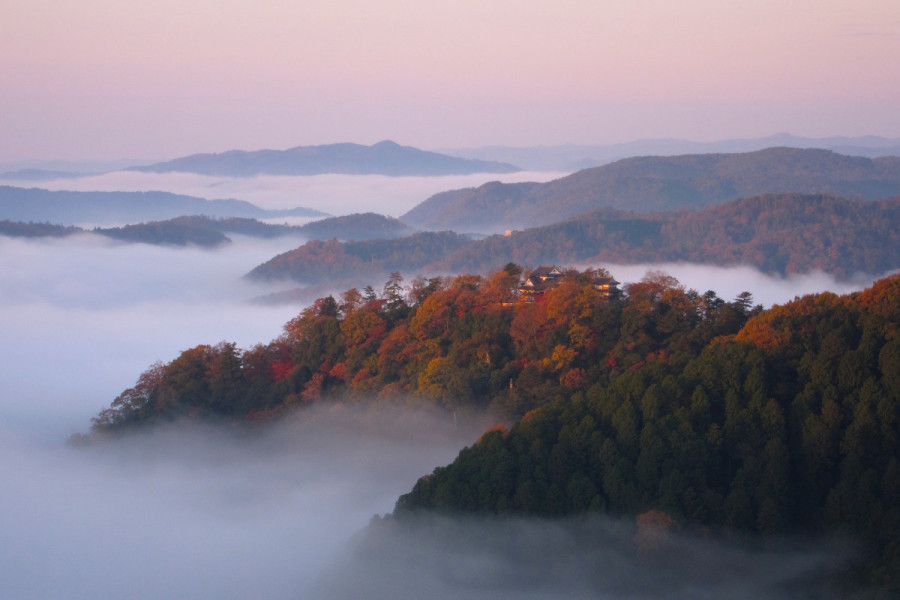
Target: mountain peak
column 384, row 158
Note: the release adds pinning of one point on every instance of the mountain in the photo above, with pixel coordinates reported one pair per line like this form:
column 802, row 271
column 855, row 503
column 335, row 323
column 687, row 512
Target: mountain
column 383, row 158
column 367, row 226
column 335, row 262
column 22, row 169
column 776, row 233
column 33, row 230
column 360, row 226
column 209, row 232
column 573, row 157
column 181, row 231
column 787, row 427
column 34, row 204
column 646, row 184
column 167, row 233
column 475, row 330
column 39, row 175
column 780, row 234
column 668, row 407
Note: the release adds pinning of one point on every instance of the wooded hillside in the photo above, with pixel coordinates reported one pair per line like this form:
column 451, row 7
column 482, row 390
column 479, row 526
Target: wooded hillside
column 655, row 183
column 705, row 412
column 777, row 233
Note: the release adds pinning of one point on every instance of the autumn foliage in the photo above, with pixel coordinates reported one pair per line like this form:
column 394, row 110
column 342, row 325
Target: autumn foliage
column 711, row 413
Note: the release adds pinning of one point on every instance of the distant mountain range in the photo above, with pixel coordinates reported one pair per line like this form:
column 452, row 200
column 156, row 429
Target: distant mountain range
column 780, row 234
column 572, row 157
column 390, row 158
column 646, row 184
column 383, row 158
column 67, row 208
column 776, row 233
column 45, row 170
column 210, row 232
column 40, row 175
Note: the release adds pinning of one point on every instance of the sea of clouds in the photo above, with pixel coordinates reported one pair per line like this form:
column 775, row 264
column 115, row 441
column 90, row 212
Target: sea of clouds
column 204, row 513
column 330, row 193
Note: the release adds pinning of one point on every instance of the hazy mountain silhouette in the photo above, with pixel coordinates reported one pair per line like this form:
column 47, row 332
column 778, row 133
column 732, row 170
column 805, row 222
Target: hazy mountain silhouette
column 64, row 207
column 383, row 158
column 646, row 184
column 574, row 157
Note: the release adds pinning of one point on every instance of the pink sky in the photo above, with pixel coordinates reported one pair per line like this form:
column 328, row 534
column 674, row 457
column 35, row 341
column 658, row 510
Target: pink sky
column 102, row 79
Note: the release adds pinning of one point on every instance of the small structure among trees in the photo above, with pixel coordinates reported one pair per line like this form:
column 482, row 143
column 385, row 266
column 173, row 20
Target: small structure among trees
column 539, row 281
column 607, row 286
column 545, row 277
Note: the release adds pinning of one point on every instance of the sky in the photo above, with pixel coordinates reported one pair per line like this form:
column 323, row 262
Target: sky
column 154, row 79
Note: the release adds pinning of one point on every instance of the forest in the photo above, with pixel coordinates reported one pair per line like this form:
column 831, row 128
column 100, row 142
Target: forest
column 647, row 184
column 210, row 232
column 464, row 342
column 705, row 413
column 776, row 233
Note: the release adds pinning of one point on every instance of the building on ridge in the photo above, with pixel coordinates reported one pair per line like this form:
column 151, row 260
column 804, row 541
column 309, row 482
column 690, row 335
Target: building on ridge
column 545, row 277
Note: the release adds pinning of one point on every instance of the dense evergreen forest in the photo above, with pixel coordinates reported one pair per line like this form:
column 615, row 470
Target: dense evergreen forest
column 704, row 412
column 789, row 426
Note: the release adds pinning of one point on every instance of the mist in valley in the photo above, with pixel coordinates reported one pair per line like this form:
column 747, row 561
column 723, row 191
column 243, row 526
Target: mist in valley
column 492, row 558
column 728, row 282
column 205, row 512
column 331, row 193
column 200, row 512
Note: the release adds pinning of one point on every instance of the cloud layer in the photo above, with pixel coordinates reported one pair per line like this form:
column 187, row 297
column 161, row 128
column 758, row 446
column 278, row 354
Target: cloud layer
column 333, row 194
column 200, row 513
column 205, row 513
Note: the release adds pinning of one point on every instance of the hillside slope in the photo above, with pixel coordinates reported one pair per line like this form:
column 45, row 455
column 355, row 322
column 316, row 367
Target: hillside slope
column 777, row 233
column 647, row 184
column 790, row 426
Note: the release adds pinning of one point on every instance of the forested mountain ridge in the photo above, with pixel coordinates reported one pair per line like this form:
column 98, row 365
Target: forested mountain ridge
column 790, row 426
column 35, row 230
column 708, row 413
column 67, row 208
column 210, row 232
column 781, row 234
column 335, row 262
column 458, row 342
column 359, row 226
column 714, row 413
column 652, row 183
column 182, row 231
column 777, row 233
column 383, row 158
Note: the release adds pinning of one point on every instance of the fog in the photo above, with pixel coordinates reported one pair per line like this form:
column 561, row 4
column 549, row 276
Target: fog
column 491, row 558
column 83, row 316
column 204, row 513
column 190, row 513
column 200, row 513
column 333, row 194
column 728, row 282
